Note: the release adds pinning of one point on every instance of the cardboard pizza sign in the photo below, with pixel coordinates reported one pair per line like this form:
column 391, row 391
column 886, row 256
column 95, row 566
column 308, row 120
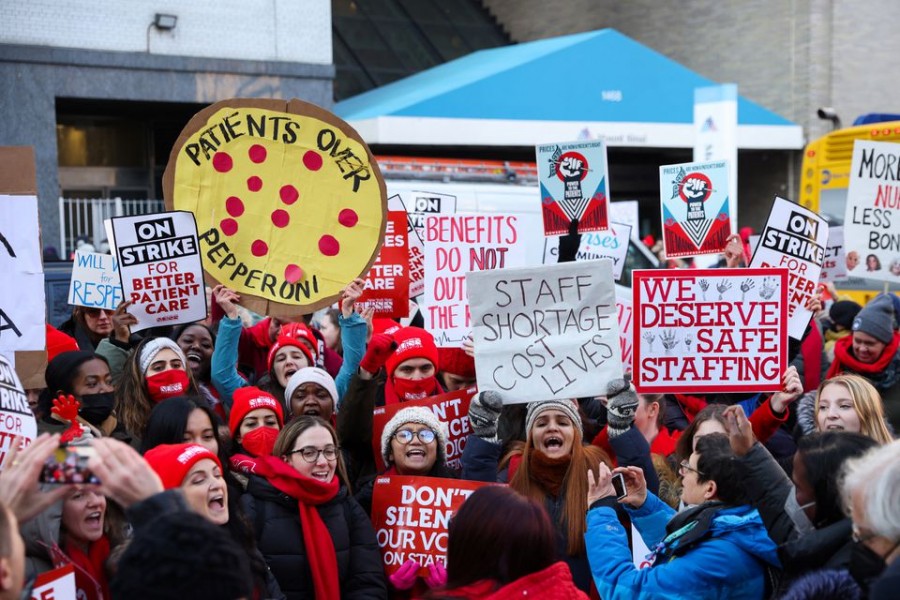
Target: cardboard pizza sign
column 289, row 202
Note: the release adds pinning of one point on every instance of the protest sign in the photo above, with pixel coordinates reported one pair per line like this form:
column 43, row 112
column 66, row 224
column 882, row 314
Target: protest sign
column 16, row 417
column 419, row 205
column 160, row 268
column 95, row 281
column 58, row 584
column 21, row 326
column 834, row 268
column 455, row 244
column 611, row 244
column 451, row 409
column 387, row 282
column 794, row 238
column 289, row 201
column 626, row 212
column 624, row 312
column 695, row 213
column 574, row 185
column 546, row 332
column 22, row 329
column 871, row 224
column 411, row 516
column 709, row 330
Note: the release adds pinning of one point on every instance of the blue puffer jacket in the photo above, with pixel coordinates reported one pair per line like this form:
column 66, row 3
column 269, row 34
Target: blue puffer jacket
column 730, row 562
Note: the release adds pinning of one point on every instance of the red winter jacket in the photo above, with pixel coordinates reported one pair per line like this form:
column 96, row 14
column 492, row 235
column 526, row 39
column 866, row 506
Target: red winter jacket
column 553, row 583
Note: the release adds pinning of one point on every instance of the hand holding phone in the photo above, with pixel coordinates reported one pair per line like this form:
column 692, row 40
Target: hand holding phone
column 69, row 465
column 618, row 483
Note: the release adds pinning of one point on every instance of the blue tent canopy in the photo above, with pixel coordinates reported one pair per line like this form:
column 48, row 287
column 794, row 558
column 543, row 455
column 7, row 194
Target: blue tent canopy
column 583, row 82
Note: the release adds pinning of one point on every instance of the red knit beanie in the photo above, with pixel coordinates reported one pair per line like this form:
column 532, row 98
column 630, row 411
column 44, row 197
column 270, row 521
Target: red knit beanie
column 412, row 342
column 301, row 331
column 457, row 362
column 58, row 342
column 173, row 461
column 388, row 326
column 248, row 399
column 281, row 341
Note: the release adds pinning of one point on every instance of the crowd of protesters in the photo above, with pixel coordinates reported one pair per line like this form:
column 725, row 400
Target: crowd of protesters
column 235, row 461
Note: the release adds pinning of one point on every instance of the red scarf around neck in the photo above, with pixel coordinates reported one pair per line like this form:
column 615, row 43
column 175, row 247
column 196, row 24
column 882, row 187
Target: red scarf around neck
column 90, row 574
column 844, row 359
column 309, row 493
column 429, row 385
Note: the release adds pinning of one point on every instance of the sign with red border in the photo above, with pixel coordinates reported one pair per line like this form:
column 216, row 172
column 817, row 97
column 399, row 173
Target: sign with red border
column 709, row 330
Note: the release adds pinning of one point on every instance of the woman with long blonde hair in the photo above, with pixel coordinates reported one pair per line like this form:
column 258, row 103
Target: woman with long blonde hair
column 851, row 403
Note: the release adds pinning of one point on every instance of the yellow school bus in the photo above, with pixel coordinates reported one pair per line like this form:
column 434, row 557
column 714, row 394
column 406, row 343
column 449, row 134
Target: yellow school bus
column 826, row 175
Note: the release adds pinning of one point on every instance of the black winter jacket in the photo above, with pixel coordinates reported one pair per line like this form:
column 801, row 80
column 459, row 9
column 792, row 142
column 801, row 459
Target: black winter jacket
column 274, row 516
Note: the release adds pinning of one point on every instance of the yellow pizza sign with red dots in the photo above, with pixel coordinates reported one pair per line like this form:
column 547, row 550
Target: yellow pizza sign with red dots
column 289, row 202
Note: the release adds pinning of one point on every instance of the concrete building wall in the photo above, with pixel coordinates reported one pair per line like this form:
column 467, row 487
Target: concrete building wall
column 268, row 30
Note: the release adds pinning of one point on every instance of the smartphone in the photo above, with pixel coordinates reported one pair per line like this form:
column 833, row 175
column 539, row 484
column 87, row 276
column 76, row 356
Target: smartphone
column 618, row 483
column 69, row 464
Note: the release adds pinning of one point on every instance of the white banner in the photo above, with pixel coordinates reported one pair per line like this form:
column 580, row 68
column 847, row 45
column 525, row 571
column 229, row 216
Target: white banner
column 546, row 332
column 715, row 131
column 871, row 221
column 159, row 263
column 95, row 281
column 457, row 244
column 794, row 238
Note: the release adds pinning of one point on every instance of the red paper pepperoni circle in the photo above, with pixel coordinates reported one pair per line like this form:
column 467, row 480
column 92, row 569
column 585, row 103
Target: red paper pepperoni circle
column 328, row 245
column 254, row 184
column 312, row 160
column 222, row 162
column 280, row 218
column 348, row 217
column 293, row 273
column 257, row 153
column 228, row 226
column 289, row 194
column 234, row 206
column 259, row 248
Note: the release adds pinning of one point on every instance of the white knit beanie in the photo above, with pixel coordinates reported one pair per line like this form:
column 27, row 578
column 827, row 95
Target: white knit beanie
column 310, row 375
column 566, row 406
column 153, row 347
column 421, row 416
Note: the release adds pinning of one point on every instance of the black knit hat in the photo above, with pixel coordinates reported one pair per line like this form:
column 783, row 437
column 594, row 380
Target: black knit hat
column 182, row 555
column 843, row 312
column 63, row 368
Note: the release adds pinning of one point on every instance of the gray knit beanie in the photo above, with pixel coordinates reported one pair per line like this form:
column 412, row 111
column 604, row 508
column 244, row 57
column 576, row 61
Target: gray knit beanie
column 566, row 406
column 877, row 319
column 421, row 416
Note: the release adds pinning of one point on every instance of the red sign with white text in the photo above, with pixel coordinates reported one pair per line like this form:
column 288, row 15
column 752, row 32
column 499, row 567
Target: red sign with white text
column 451, row 409
column 709, row 330
column 387, row 283
column 411, row 516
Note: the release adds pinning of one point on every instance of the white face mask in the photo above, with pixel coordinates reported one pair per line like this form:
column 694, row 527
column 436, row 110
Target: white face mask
column 797, row 513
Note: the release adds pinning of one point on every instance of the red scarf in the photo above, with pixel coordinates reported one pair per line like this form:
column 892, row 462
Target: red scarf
column 845, row 361
column 90, row 576
column 392, row 395
column 309, row 493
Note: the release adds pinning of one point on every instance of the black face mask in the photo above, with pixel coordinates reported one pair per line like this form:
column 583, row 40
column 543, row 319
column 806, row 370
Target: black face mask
column 866, row 564
column 96, row 408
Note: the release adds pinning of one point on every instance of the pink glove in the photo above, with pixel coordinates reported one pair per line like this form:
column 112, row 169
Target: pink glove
column 405, row 577
column 437, row 576
column 381, row 346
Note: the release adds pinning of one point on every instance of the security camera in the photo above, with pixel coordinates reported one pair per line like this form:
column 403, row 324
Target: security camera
column 827, row 113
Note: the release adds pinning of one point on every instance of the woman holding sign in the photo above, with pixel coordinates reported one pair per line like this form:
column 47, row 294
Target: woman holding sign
column 551, row 467
column 317, row 540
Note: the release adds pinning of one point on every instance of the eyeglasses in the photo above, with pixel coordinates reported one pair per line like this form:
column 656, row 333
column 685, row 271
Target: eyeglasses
column 686, row 466
column 405, row 436
column 311, row 454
